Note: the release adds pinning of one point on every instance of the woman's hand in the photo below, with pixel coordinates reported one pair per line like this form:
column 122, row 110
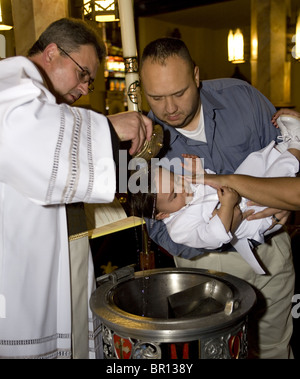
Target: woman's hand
column 193, row 168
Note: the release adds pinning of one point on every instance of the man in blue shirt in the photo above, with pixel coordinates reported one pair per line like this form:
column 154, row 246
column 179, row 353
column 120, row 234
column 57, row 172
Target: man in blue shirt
column 221, row 121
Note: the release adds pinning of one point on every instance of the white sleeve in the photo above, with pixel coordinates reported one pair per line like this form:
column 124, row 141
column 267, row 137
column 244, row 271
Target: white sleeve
column 192, row 230
column 54, row 153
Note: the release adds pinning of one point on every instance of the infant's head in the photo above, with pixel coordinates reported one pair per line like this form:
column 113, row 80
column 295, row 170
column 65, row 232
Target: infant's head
column 161, row 192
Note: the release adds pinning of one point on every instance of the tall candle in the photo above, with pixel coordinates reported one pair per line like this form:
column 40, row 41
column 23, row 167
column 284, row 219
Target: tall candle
column 127, row 28
column 130, row 54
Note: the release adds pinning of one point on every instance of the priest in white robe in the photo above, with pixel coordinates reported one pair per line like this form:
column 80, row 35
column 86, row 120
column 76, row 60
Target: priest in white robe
column 51, row 154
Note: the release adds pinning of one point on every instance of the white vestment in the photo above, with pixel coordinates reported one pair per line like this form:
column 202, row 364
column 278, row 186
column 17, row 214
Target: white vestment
column 194, row 226
column 50, row 155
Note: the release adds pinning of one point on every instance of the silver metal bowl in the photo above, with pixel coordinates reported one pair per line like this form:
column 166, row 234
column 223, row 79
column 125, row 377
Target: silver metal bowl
column 173, row 306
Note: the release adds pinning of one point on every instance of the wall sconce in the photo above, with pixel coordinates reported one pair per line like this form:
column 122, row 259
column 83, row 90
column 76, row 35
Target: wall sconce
column 254, row 48
column 296, row 50
column 101, row 11
column 236, row 46
column 5, row 15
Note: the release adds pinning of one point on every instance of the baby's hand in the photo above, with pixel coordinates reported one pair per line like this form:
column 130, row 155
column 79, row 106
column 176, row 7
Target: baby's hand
column 228, row 196
column 193, row 169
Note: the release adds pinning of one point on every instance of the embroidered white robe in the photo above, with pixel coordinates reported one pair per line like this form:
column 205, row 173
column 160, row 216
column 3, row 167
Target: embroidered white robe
column 50, row 155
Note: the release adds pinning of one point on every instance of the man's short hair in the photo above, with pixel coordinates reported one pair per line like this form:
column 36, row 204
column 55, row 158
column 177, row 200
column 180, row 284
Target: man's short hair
column 161, row 49
column 70, row 34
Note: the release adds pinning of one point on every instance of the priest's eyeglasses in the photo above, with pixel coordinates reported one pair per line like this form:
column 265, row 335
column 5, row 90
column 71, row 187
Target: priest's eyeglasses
column 84, row 75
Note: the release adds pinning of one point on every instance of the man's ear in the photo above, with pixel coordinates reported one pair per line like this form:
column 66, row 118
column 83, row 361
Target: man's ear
column 197, row 76
column 161, row 215
column 50, row 52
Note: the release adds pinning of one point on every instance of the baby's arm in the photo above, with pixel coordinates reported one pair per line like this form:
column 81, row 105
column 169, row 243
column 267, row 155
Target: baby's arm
column 228, row 212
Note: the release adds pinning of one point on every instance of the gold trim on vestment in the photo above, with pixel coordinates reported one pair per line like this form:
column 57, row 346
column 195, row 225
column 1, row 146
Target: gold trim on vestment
column 78, row 236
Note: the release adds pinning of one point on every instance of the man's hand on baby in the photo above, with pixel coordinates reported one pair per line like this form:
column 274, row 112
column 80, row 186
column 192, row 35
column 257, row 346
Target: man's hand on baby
column 193, row 169
column 280, row 215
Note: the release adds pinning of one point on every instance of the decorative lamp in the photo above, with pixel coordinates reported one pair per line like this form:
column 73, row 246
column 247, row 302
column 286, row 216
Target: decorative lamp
column 297, row 38
column 5, row 15
column 236, row 46
column 100, row 11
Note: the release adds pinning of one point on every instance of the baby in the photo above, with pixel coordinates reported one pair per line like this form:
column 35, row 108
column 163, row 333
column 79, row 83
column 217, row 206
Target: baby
column 200, row 216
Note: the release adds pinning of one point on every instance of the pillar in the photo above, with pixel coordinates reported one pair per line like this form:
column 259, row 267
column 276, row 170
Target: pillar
column 270, row 70
column 31, row 17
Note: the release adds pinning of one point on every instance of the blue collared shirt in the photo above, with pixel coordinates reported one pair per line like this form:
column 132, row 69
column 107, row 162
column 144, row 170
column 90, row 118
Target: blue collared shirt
column 237, row 120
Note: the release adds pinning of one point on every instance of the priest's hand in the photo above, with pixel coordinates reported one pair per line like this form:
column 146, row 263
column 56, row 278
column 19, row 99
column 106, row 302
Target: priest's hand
column 132, row 126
